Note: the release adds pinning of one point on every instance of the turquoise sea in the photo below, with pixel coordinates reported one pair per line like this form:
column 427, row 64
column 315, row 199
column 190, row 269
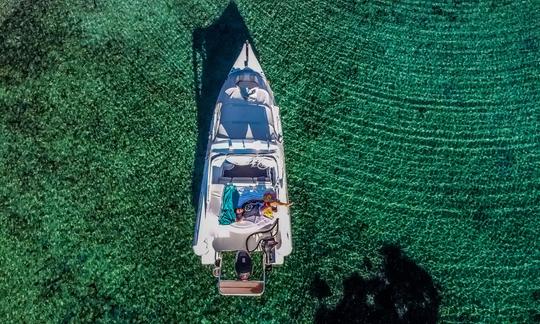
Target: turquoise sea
column 412, row 146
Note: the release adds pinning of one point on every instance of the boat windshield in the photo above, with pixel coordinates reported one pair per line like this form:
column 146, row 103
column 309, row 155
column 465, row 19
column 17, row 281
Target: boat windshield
column 235, row 171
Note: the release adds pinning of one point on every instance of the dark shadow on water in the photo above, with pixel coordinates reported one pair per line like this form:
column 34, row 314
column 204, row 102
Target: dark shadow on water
column 319, row 288
column 401, row 292
column 215, row 49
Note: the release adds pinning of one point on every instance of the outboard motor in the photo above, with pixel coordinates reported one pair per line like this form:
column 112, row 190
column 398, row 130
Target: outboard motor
column 243, row 265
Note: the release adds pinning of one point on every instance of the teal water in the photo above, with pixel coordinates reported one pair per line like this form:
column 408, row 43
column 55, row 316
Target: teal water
column 410, row 125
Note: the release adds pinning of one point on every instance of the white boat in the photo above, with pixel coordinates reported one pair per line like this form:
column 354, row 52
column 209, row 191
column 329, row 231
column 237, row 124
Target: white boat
column 244, row 160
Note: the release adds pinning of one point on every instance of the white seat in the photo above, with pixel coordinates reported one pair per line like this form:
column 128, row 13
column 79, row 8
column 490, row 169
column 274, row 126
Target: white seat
column 249, row 92
column 245, row 121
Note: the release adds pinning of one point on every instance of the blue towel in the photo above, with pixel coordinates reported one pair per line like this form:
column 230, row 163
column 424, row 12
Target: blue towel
column 252, row 193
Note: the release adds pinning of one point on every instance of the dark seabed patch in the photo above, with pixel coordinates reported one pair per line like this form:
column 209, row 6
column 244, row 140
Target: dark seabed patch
column 28, row 52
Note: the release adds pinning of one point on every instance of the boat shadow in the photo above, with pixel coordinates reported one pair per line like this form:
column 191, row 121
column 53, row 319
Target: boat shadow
column 400, row 292
column 214, row 50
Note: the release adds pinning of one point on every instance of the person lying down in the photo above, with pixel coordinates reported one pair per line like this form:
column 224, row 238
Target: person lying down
column 253, row 209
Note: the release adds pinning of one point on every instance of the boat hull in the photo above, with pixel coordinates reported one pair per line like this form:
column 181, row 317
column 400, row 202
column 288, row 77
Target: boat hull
column 245, row 131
